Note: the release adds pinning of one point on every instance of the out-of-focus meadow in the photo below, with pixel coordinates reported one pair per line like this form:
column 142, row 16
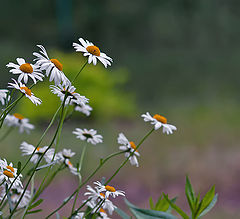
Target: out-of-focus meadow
column 179, row 58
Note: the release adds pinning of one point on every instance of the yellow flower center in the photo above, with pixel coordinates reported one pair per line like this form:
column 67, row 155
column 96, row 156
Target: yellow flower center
column 110, row 188
column 103, row 195
column 133, row 146
column 69, row 163
column 57, row 64
column 159, row 118
column 101, row 210
column 18, row 116
column 93, row 50
column 10, row 168
column 27, row 91
column 38, row 148
column 8, row 174
column 26, row 68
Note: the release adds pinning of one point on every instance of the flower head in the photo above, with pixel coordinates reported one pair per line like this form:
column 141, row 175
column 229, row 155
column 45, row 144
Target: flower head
column 3, row 95
column 18, row 120
column 26, row 70
column 72, row 96
column 88, row 135
column 15, row 194
column 159, row 121
column 64, row 157
column 52, row 67
column 97, row 197
column 28, row 93
column 93, row 52
column 27, row 149
column 129, row 147
column 8, row 174
column 83, row 108
column 109, row 190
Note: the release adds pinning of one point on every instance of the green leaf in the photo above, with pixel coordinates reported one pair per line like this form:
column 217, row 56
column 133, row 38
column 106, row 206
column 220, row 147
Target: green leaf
column 210, row 206
column 176, row 208
column 19, row 165
column 190, row 195
column 34, row 212
column 207, row 199
column 151, row 203
column 122, row 213
column 162, row 204
column 35, row 204
column 148, row 214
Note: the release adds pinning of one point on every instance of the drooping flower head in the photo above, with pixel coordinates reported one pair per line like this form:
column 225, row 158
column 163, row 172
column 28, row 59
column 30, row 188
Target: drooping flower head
column 24, row 89
column 72, row 96
column 27, row 150
column 159, row 121
column 83, row 108
column 8, row 174
column 3, row 96
column 90, row 136
column 18, row 120
column 53, row 67
column 129, row 147
column 64, row 156
column 15, row 194
column 93, row 52
column 25, row 71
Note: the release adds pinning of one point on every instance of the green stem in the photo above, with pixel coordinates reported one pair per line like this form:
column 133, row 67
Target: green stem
column 43, row 135
column 79, row 72
column 102, row 162
column 123, row 163
column 80, row 178
column 39, row 160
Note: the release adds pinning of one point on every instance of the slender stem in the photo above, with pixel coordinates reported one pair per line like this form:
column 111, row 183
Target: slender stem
column 123, row 163
column 82, row 205
column 43, row 135
column 39, row 160
column 102, row 162
column 80, row 178
column 79, row 72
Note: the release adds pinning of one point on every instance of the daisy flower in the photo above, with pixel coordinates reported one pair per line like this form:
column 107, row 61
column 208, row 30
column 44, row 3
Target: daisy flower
column 89, row 135
column 18, row 120
column 159, row 121
column 109, row 190
column 15, row 194
column 93, row 52
column 70, row 166
column 26, row 70
column 72, row 96
column 97, row 197
column 8, row 174
column 79, row 215
column 129, row 147
column 64, row 157
column 28, row 93
column 27, row 149
column 103, row 214
column 83, row 108
column 52, row 66
column 3, row 95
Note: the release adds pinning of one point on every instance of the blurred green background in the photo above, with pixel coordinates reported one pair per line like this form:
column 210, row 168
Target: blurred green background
column 179, row 58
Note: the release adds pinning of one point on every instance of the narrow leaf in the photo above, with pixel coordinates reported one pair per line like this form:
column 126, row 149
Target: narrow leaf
column 34, row 212
column 176, row 208
column 19, row 165
column 122, row 214
column 210, row 206
column 151, row 204
column 190, row 194
column 35, row 204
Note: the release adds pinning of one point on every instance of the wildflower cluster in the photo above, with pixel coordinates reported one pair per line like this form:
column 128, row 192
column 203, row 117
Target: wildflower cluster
column 99, row 199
